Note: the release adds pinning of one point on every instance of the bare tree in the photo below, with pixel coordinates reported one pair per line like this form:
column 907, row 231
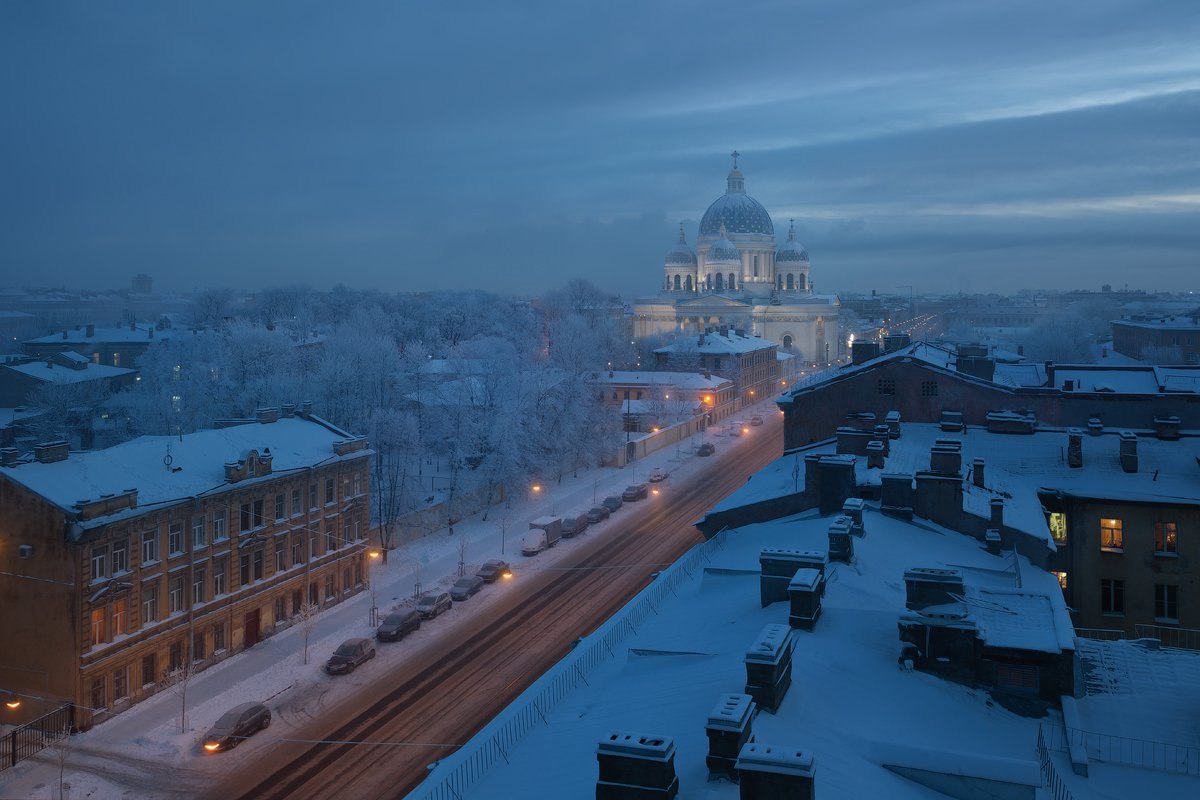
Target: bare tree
column 177, row 681
column 308, row 621
column 59, row 741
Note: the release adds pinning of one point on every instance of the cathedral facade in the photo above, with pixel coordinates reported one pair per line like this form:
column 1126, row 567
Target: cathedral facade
column 738, row 276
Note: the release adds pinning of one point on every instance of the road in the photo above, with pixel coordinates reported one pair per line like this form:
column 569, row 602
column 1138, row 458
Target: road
column 378, row 744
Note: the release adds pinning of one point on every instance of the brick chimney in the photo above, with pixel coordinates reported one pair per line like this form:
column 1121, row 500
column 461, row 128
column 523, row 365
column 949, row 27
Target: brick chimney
column 51, row 452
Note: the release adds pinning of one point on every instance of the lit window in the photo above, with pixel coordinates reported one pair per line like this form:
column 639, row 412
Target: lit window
column 1062, row 579
column 97, row 626
column 1058, row 527
column 1111, row 537
column 1164, row 537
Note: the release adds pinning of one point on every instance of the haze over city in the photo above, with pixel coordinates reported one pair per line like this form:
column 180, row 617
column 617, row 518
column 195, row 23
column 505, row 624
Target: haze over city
column 403, row 146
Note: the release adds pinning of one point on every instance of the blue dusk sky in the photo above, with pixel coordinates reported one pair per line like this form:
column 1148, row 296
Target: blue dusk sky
column 954, row 146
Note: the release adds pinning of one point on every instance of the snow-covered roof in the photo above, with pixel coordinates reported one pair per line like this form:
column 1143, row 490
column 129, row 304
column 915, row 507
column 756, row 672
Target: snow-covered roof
column 43, row 371
column 1172, row 322
column 167, row 469
column 715, row 344
column 114, row 335
column 674, row 380
column 848, row 706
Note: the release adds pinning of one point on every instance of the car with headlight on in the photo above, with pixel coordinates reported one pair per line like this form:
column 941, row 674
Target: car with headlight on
column 236, row 724
column 491, row 571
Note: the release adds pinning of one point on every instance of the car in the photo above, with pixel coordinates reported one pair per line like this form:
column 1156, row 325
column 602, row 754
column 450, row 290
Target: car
column 597, row 514
column 574, row 523
column 492, row 570
column 612, row 502
column 657, row 475
column 350, row 654
column 756, row 420
column 465, row 587
column 237, row 724
column 430, row 605
column 397, row 625
column 634, row 492
column 705, row 449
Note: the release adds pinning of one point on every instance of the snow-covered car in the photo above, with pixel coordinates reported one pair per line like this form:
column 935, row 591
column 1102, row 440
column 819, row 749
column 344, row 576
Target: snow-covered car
column 597, row 514
column 236, row 724
column 397, row 625
column 492, row 570
column 756, row 420
column 430, row 605
column 613, row 502
column 634, row 492
column 466, row 587
column 656, row 475
column 706, row 449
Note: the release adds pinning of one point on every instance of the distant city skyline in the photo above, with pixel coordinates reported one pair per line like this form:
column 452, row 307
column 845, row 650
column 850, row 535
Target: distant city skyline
column 944, row 146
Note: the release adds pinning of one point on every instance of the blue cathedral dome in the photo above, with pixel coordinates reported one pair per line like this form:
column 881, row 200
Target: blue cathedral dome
column 736, row 210
column 682, row 254
column 791, row 251
column 723, row 250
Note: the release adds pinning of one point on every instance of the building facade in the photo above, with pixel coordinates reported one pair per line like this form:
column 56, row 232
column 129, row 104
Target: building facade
column 750, row 363
column 134, row 566
column 738, row 277
column 1163, row 340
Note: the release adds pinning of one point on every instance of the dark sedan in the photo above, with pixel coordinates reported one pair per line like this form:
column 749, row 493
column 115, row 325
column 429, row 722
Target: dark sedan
column 349, row 655
column 397, row 625
column 493, row 570
column 236, row 724
column 465, row 587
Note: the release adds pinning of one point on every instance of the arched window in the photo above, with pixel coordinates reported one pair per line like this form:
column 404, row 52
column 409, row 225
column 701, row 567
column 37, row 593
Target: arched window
column 689, row 283
column 787, row 342
column 720, row 282
column 779, row 282
column 800, row 283
column 677, row 283
column 708, row 278
column 732, row 281
column 790, row 283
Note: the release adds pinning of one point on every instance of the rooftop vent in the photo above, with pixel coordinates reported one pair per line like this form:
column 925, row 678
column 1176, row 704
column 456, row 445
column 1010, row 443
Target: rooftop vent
column 768, row 771
column 635, row 766
column 1129, row 451
column 51, row 452
column 729, row 728
column 769, row 666
column 928, row 586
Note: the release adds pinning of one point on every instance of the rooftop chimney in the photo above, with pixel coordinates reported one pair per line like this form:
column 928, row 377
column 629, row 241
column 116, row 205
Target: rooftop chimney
column 51, row 452
column 1129, row 453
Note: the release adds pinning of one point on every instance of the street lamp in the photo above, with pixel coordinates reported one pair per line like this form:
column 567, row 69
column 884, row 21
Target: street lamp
column 12, row 701
column 372, row 558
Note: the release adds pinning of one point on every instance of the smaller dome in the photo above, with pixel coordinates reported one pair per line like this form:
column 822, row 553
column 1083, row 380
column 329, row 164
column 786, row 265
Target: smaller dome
column 682, row 254
column 791, row 251
column 723, row 250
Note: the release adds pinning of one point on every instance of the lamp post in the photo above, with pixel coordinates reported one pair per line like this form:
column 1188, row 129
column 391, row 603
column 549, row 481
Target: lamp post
column 372, row 558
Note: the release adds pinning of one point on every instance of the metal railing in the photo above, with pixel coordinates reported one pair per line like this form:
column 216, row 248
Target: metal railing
column 1183, row 638
column 1180, row 759
column 26, row 741
column 1101, row 634
column 468, row 764
column 1052, row 782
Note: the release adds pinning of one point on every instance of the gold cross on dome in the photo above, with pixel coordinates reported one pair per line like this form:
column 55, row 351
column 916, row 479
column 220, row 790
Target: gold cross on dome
column 735, row 155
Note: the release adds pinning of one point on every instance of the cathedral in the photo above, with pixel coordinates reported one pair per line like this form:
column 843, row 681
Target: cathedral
column 738, row 276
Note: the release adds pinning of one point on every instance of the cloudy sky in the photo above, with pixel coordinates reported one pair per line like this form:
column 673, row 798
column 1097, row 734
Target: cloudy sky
column 956, row 146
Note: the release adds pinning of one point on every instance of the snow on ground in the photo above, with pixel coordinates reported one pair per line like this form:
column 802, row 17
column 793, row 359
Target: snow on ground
column 141, row 753
column 849, row 704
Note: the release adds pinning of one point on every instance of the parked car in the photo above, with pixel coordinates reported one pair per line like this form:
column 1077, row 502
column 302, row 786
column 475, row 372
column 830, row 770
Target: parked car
column 236, row 724
column 634, row 492
column 597, row 514
column 613, row 502
column 492, row 570
column 705, row 449
column 349, row 655
column 657, row 474
column 397, row 625
column 465, row 587
column 756, row 420
column 575, row 523
column 430, row 605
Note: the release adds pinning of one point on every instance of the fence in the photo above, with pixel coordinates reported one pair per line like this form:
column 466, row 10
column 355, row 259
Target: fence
column 1183, row 638
column 29, row 739
column 476, row 757
column 1051, row 780
column 1101, row 634
column 1162, row 756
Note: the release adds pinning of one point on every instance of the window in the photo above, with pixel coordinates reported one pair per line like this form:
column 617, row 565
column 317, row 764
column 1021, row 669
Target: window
column 120, row 685
column 296, row 502
column 1058, row 527
column 280, row 554
column 219, row 570
column 199, row 533
column 149, row 547
column 297, row 548
column 246, row 517
column 244, row 573
column 150, row 603
column 328, row 587
column 329, row 492
column 297, row 601
column 98, row 698
column 1111, row 537
column 149, row 677
column 886, row 386
column 313, row 541
column 330, row 536
column 175, row 538
column 218, row 637
column 312, row 496
column 175, row 656
column 99, row 562
column 120, row 557
column 1062, row 579
column 198, row 646
column 120, row 617
column 258, row 565
column 219, row 534
column 280, row 609
column 1164, row 538
column 358, row 573
column 198, row 585
column 312, row 594
column 929, row 389
column 97, row 626
column 1112, row 596
column 280, row 502
column 175, row 595
column 1166, row 602
column 259, row 519
column 357, row 485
